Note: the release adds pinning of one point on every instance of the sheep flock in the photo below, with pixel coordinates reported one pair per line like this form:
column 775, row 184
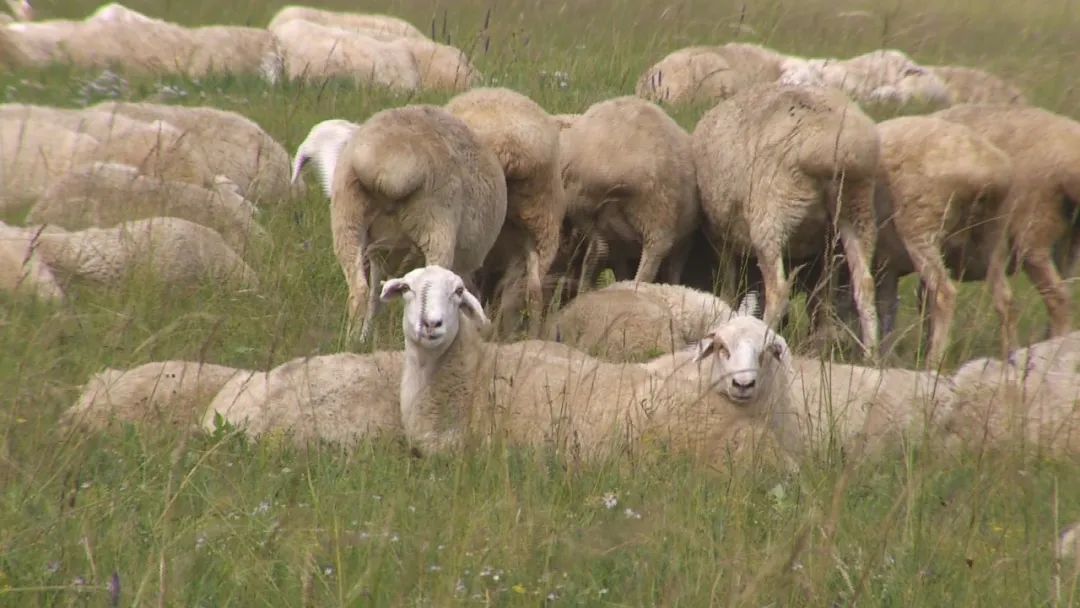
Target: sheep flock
column 493, row 229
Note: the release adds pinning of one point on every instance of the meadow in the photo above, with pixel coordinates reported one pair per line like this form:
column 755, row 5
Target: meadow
column 173, row 517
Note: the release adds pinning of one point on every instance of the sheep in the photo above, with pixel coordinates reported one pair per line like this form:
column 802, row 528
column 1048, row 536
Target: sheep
column 628, row 321
column 1031, row 398
column 777, row 167
column 1044, row 201
column 115, row 36
column 972, row 85
column 323, row 145
column 34, row 45
column 23, row 271
column 946, row 185
column 454, row 386
column 708, row 74
column 525, row 139
column 234, row 145
column 565, row 121
column 384, row 24
column 628, row 171
column 412, row 179
column 33, row 154
column 176, row 251
column 882, row 77
column 106, row 194
column 168, row 394
column 340, row 398
column 231, row 49
column 442, row 67
column 316, row 53
column 21, row 10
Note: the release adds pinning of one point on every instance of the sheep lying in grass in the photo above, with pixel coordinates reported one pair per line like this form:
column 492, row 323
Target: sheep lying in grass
column 383, row 24
column 628, row 170
column 172, row 394
column 339, row 398
column 107, row 194
column 232, row 144
column 455, row 387
column 778, row 169
column 442, row 67
column 316, row 53
column 412, row 179
column 1032, row 398
column 708, row 73
column 176, row 251
column 22, row 270
column 885, row 77
column 34, row 45
column 33, row 154
column 525, row 139
column 629, row 321
column 972, row 85
column 1044, row 201
column 947, row 187
column 323, row 146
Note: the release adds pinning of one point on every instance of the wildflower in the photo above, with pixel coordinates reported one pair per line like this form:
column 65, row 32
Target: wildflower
column 518, row 588
column 631, row 514
column 610, row 500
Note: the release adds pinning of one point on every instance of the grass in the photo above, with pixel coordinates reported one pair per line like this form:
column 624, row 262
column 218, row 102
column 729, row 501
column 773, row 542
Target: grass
column 147, row 516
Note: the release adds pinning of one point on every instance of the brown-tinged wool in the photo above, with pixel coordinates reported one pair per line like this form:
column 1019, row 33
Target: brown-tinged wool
column 972, row 85
column 442, row 67
column 708, row 73
column 233, row 145
column 412, row 180
column 162, row 394
column 33, row 154
column 102, row 195
column 886, row 76
column 231, row 49
column 131, row 42
column 1044, row 201
column 525, row 139
column 777, row 167
column 628, row 172
column 340, row 398
column 33, row 45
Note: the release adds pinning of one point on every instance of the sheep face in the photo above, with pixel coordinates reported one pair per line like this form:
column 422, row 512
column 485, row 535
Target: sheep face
column 742, row 353
column 433, row 296
column 324, row 144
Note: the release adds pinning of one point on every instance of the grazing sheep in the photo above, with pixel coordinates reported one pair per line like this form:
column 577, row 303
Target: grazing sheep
column 628, row 171
column 777, row 168
column 629, row 321
column 107, row 194
column 316, row 53
column 169, row 393
column 454, row 385
column 323, row 144
column 233, row 145
column 339, row 398
column 1033, row 398
column 412, row 179
column 708, row 73
column 22, row 270
column 231, row 49
column 972, row 85
column 1044, row 201
column 176, row 251
column 882, row 77
column 33, row 154
column 442, row 67
column 118, row 37
column 947, row 186
column 34, row 45
column 862, row 407
column 383, row 24
column 525, row 139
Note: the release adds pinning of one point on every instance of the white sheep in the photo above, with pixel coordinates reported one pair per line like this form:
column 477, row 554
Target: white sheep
column 628, row 171
column 107, row 194
column 882, row 77
column 33, row 154
column 947, row 187
column 116, row 36
column 412, row 180
column 232, row 49
column 316, row 53
column 1045, row 194
column 1032, row 399
column 629, row 320
column 383, row 24
column 340, row 398
column 525, row 139
column 972, row 85
column 232, row 144
column 34, row 44
column 781, row 167
column 175, row 251
column 455, row 387
column 708, row 73
column 172, row 394
column 323, row 146
column 23, row 270
column 442, row 67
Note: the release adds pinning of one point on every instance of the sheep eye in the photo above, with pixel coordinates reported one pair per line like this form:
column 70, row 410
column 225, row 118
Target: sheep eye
column 722, row 350
column 460, row 291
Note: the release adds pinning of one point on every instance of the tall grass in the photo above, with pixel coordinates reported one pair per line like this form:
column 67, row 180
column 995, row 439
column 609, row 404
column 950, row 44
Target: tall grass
column 149, row 516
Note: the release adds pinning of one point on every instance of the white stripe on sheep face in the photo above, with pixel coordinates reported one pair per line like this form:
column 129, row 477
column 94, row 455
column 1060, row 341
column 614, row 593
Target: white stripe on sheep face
column 433, row 297
column 741, row 351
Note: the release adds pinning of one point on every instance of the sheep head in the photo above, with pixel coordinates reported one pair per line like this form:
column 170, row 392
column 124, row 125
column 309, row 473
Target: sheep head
column 434, row 298
column 323, row 144
column 742, row 351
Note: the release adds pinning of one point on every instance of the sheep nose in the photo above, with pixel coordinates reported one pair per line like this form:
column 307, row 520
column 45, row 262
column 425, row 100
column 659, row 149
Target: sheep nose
column 749, row 384
column 432, row 324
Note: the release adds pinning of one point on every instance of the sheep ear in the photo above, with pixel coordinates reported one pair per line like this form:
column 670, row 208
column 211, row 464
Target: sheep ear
column 750, row 306
column 705, row 347
column 392, row 289
column 779, row 348
column 472, row 307
column 299, row 162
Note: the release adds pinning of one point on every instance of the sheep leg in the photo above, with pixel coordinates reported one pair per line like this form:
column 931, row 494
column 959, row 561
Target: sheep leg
column 858, row 234
column 652, row 254
column 675, row 261
column 777, row 287
column 1039, row 266
column 1001, row 292
column 941, row 296
column 374, row 302
column 888, row 301
column 534, row 291
column 345, row 222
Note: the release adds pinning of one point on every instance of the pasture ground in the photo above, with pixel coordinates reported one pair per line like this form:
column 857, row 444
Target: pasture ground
column 178, row 518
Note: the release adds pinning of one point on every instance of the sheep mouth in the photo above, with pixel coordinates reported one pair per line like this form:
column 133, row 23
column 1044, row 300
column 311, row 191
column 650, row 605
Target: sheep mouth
column 741, row 398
